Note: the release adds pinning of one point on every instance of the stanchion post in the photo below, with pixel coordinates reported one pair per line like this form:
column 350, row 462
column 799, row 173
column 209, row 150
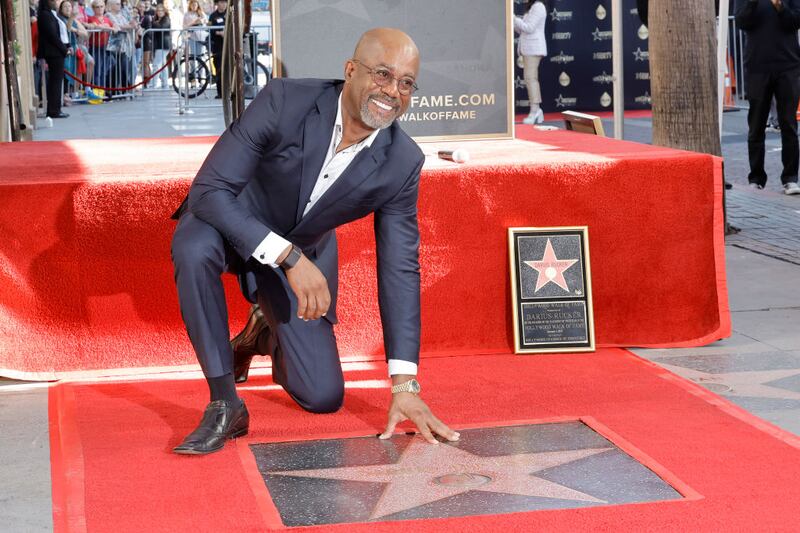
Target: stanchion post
column 618, row 70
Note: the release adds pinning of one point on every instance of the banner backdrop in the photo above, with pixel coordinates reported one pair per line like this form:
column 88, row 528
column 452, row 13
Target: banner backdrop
column 576, row 74
column 465, row 46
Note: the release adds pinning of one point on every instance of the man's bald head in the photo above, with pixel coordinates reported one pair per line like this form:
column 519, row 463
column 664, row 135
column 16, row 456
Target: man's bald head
column 377, row 40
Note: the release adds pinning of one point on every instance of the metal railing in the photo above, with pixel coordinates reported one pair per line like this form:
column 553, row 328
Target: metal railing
column 108, row 65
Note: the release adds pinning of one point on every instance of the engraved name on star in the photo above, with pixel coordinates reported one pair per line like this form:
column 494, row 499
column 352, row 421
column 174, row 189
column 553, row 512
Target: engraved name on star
column 550, row 268
column 426, row 473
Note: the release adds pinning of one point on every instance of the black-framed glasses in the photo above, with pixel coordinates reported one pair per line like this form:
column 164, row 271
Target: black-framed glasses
column 383, row 77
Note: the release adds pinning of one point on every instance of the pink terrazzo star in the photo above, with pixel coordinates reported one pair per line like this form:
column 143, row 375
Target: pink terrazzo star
column 426, row 473
column 551, row 268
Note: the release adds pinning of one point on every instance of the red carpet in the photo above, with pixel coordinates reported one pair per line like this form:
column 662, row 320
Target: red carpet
column 86, row 282
column 113, row 471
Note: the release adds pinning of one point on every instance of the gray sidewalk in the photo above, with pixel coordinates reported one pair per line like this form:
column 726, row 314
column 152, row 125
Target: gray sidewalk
column 758, row 368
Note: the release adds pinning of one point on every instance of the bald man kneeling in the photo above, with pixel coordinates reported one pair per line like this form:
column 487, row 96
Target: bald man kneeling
column 304, row 158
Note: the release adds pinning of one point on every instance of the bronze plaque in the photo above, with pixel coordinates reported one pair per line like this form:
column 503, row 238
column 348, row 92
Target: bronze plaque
column 551, row 289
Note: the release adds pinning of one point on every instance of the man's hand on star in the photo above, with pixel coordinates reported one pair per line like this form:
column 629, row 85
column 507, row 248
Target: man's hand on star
column 409, row 406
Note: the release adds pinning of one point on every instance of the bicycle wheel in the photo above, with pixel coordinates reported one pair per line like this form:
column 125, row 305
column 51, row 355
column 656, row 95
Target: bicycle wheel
column 257, row 82
column 198, row 78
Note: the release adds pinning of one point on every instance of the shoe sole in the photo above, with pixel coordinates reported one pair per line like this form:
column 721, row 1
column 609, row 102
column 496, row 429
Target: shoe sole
column 235, row 435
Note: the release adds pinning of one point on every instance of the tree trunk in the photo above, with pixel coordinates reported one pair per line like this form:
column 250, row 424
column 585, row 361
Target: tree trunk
column 683, row 75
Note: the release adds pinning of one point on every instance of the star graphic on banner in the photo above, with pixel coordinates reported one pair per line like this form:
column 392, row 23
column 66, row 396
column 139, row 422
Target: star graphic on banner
column 427, row 473
column 550, row 268
column 554, row 15
column 639, row 54
column 596, row 35
column 746, row 383
column 354, row 8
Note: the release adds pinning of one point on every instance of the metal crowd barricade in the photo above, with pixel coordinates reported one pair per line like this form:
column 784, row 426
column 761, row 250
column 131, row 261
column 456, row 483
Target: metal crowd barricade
column 106, row 67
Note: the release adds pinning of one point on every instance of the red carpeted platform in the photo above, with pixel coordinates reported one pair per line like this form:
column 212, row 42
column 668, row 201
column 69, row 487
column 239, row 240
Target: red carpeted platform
column 113, row 471
column 86, row 281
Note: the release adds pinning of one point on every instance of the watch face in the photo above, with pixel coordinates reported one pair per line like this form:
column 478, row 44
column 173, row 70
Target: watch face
column 413, row 386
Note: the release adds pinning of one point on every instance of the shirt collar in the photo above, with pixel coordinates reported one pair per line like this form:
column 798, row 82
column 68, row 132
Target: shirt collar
column 338, row 127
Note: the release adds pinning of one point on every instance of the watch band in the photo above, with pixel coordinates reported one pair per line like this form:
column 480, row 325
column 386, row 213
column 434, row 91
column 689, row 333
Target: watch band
column 412, row 385
column 291, row 259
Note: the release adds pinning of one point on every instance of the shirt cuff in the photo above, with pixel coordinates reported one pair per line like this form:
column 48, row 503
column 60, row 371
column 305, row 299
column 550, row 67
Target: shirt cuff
column 398, row 366
column 270, row 249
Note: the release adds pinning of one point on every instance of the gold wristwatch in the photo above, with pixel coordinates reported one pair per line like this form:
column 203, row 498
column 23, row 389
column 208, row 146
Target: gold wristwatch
column 412, row 386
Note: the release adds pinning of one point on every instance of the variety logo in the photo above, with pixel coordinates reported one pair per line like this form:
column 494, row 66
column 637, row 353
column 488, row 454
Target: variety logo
column 605, row 100
column 564, row 101
column 603, row 78
column 641, row 55
column 643, row 33
column 560, row 15
column 562, row 58
column 644, row 99
column 599, row 56
column 635, row 11
column 642, row 76
column 600, row 13
column 564, row 79
column 562, row 36
column 598, row 35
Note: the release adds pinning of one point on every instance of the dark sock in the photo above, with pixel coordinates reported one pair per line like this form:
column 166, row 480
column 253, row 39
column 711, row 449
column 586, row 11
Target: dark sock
column 223, row 388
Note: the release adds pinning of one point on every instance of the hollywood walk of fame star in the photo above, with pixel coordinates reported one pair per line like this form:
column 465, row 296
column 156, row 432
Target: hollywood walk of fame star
column 550, row 268
column 427, row 473
column 751, row 384
column 354, row 8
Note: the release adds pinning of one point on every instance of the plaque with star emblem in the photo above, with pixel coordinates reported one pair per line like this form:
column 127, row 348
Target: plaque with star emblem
column 551, row 289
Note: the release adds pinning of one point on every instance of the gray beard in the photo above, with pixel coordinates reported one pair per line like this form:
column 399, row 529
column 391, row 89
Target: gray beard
column 371, row 120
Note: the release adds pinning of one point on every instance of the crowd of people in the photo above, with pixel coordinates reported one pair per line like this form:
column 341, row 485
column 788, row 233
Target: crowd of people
column 103, row 45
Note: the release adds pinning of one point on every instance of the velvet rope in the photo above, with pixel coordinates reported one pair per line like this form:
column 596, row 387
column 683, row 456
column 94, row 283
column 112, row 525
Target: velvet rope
column 169, row 60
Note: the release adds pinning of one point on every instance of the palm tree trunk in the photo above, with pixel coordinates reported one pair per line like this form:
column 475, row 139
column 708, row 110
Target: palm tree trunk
column 683, row 75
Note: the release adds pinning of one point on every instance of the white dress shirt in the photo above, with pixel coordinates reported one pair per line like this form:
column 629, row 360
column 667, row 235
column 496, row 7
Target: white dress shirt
column 334, row 165
column 62, row 28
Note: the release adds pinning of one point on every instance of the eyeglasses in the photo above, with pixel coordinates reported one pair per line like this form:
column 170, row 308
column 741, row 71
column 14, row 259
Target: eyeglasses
column 383, row 77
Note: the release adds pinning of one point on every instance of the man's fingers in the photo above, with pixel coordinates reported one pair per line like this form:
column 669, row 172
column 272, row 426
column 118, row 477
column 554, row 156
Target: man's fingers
column 302, row 302
column 311, row 308
column 393, row 421
column 426, row 433
column 440, row 428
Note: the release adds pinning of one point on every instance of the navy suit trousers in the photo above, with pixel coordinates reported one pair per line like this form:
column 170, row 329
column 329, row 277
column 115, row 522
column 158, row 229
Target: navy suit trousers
column 305, row 360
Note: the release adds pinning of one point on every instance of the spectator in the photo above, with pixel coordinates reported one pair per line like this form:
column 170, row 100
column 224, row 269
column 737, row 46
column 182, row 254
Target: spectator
column 98, row 42
column 53, row 48
column 162, row 42
column 195, row 17
column 145, row 41
column 84, row 60
column 37, row 71
column 772, row 67
column 74, row 30
column 532, row 48
column 120, row 45
column 217, row 18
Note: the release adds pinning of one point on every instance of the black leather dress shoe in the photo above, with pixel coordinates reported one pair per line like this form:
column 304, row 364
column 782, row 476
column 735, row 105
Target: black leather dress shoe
column 60, row 115
column 252, row 340
column 221, row 421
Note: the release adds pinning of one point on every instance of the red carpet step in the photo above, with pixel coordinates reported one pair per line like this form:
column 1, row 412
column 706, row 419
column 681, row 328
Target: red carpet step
column 86, row 280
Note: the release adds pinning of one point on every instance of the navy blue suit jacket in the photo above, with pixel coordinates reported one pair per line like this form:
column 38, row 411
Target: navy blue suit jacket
column 259, row 176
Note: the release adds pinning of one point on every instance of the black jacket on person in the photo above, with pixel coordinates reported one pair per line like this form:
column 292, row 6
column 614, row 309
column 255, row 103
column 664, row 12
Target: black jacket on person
column 161, row 38
column 216, row 19
column 771, row 45
column 50, row 44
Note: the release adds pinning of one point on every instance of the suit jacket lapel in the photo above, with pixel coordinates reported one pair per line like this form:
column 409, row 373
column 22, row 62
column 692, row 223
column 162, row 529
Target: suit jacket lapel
column 317, row 132
column 359, row 169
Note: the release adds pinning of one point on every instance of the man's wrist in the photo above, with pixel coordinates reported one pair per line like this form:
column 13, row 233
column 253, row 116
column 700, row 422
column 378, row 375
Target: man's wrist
column 399, row 379
column 284, row 254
